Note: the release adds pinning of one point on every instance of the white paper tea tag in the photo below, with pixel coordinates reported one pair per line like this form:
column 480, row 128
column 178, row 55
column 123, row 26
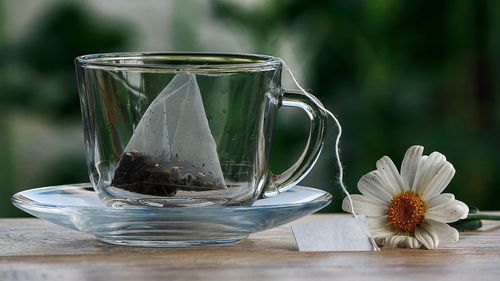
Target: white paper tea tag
column 341, row 233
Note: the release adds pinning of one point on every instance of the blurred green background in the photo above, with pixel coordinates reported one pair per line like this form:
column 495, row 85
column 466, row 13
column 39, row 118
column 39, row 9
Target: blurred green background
column 396, row 73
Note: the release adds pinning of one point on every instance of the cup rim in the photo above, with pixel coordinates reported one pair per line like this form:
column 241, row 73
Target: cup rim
column 199, row 61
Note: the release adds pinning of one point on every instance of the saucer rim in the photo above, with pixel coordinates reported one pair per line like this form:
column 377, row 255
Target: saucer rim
column 20, row 200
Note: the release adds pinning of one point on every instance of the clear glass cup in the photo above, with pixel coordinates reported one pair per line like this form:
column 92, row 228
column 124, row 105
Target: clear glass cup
column 241, row 96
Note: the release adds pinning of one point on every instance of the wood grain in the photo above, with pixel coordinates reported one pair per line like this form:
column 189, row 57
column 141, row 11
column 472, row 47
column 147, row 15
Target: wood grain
column 31, row 249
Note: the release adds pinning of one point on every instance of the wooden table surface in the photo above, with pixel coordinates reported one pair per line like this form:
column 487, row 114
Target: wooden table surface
column 32, row 249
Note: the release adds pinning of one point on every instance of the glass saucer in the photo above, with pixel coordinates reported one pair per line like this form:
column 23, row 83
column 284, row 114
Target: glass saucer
column 76, row 206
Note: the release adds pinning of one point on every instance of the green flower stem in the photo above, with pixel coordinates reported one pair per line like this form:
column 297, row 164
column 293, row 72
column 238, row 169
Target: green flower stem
column 479, row 216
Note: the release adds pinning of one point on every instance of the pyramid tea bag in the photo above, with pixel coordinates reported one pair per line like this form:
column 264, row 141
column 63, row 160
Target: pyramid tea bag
column 172, row 147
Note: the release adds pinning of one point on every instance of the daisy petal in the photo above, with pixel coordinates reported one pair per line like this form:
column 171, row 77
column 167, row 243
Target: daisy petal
column 439, row 200
column 374, row 186
column 409, row 165
column 427, row 236
column 379, row 227
column 394, row 241
column 364, row 205
column 389, row 241
column 412, row 242
column 446, row 211
column 426, row 170
column 390, row 173
column 439, row 182
column 445, row 232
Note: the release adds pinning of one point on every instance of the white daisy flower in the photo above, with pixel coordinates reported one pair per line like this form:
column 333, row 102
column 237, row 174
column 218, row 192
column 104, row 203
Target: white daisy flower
column 408, row 209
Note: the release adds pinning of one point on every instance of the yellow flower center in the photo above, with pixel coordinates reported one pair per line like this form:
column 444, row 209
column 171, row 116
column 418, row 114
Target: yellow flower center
column 406, row 211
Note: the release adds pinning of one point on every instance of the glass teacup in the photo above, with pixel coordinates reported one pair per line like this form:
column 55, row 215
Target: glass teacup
column 236, row 97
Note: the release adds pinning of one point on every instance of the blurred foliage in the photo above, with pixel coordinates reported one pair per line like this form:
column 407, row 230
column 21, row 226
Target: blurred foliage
column 397, row 73
column 5, row 139
column 38, row 78
column 44, row 57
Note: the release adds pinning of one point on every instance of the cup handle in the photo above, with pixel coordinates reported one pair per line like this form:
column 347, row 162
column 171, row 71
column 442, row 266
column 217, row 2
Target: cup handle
column 313, row 107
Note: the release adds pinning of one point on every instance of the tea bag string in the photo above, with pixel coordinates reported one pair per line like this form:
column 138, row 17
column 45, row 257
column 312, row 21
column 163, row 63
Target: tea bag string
column 337, row 140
